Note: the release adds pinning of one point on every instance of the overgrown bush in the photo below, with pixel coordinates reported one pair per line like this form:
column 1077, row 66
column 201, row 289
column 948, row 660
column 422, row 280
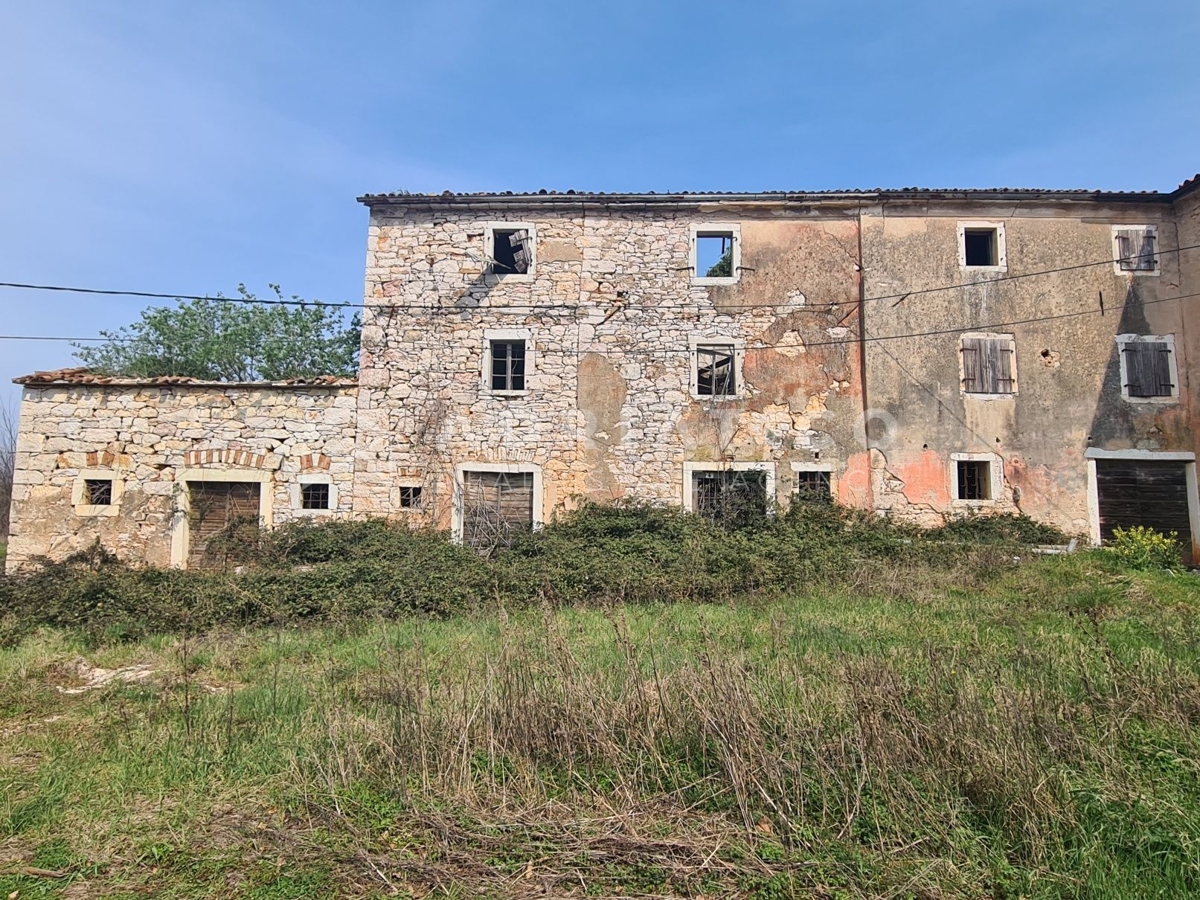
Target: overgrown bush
column 1144, row 548
column 597, row 554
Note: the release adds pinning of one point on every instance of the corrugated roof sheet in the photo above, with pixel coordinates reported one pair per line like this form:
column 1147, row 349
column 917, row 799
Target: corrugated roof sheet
column 81, row 375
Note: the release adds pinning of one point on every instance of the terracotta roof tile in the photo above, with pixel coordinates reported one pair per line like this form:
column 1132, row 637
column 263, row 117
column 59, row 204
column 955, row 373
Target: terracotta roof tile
column 81, row 375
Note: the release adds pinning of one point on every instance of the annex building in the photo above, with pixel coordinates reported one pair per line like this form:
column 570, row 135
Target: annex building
column 923, row 354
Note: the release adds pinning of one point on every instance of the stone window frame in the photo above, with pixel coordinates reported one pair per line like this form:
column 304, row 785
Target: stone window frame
column 995, row 476
column 1116, row 250
column 1172, row 363
column 489, row 250
column 695, row 342
column 507, row 334
column 1001, row 245
column 691, row 467
column 181, row 529
column 705, row 229
column 827, row 468
column 79, row 492
column 297, row 498
column 962, row 368
column 515, row 468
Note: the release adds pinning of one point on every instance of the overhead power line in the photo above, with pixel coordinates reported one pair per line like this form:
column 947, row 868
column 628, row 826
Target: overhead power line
column 266, row 301
column 837, row 342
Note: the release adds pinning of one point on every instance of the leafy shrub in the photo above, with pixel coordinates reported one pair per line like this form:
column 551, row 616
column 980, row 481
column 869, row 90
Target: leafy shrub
column 1001, row 529
column 1144, row 548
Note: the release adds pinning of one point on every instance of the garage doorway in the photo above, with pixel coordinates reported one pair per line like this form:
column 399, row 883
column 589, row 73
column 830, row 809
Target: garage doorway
column 1152, row 490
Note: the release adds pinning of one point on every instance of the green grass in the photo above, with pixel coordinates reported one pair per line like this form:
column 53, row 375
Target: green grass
column 1023, row 731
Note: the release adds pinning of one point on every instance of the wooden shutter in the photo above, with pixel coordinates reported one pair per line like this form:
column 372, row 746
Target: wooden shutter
column 1129, row 243
column 1146, row 261
column 522, row 255
column 1143, row 492
column 1148, row 369
column 987, row 365
column 972, row 363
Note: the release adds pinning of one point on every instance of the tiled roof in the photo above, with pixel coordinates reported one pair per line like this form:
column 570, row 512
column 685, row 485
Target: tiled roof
column 80, row 375
column 692, row 196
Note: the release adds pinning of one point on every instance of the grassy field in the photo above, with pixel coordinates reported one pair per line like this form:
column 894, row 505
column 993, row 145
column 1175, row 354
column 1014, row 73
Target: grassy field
column 1003, row 730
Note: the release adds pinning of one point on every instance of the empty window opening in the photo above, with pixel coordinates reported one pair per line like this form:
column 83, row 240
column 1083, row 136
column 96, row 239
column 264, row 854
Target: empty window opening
column 714, row 254
column 512, row 253
column 1136, row 251
column 813, row 487
column 980, row 247
column 314, row 496
column 410, row 497
column 508, row 365
column 98, row 492
column 1148, row 369
column 730, row 497
column 714, row 371
column 974, row 479
column 987, row 365
column 497, row 507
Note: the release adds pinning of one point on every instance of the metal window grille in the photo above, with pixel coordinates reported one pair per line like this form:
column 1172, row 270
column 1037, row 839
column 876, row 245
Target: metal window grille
column 314, row 496
column 728, row 496
column 974, row 480
column 508, row 365
column 813, row 487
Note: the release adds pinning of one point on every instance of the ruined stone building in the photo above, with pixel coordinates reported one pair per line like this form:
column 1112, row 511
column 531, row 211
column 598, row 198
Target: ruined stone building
column 921, row 353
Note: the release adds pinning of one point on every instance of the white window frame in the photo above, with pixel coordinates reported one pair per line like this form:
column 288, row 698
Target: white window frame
column 297, row 495
column 714, row 229
column 489, row 250
column 1001, row 246
column 456, row 527
column 995, row 477
column 511, row 335
column 692, row 467
column 815, row 467
column 962, row 368
column 181, row 531
column 1093, row 488
column 79, row 492
column 1116, row 249
column 1169, row 340
column 695, row 342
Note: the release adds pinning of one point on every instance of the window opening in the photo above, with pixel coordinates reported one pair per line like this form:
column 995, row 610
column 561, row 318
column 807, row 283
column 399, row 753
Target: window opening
column 1148, row 369
column 98, row 491
column 314, row 496
column 714, row 371
column 728, row 496
column 987, row 365
column 980, row 247
column 714, row 254
column 1136, row 250
column 511, row 251
column 813, row 487
column 974, row 480
column 508, row 365
column 410, row 497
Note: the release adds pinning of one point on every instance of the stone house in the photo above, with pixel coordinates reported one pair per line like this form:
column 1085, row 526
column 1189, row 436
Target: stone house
column 921, row 353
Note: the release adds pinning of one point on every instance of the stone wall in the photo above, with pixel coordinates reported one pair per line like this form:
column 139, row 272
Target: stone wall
column 611, row 313
column 150, row 439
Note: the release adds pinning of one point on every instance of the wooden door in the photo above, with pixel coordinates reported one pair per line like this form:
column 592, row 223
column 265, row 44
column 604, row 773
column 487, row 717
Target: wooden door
column 223, row 515
column 1143, row 492
column 496, row 507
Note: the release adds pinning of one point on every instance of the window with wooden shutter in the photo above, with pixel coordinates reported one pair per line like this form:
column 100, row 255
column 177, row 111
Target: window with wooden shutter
column 510, row 250
column 496, row 507
column 1137, row 250
column 1148, row 368
column 988, row 364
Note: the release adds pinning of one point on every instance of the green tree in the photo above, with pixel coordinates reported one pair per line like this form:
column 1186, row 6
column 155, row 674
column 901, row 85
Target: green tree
column 233, row 339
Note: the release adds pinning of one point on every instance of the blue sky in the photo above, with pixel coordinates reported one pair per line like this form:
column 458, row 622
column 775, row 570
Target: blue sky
column 188, row 147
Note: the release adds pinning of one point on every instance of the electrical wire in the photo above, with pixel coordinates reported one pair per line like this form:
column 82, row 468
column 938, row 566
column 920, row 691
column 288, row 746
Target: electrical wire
column 319, row 304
